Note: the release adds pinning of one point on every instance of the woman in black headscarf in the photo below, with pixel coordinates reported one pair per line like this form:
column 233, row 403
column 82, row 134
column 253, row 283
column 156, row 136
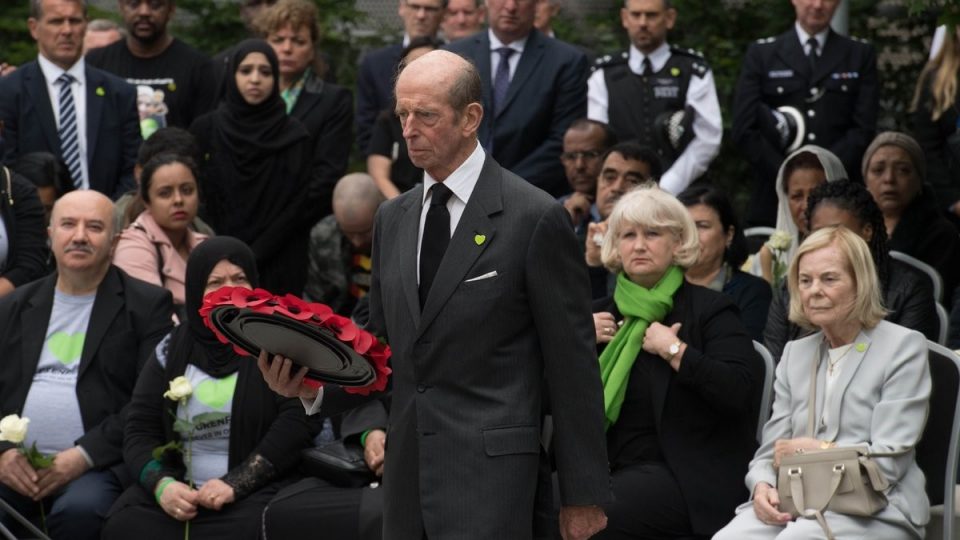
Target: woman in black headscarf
column 242, row 447
column 256, row 168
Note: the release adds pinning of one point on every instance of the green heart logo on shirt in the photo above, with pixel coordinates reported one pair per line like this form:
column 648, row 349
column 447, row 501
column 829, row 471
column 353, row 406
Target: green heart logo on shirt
column 215, row 393
column 66, row 348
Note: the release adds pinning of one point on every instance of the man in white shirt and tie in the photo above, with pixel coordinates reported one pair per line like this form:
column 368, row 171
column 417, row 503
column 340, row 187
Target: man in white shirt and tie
column 809, row 85
column 637, row 93
column 60, row 105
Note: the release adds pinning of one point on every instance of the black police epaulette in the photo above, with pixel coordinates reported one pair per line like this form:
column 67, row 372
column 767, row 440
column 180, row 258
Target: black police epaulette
column 699, row 63
column 610, row 60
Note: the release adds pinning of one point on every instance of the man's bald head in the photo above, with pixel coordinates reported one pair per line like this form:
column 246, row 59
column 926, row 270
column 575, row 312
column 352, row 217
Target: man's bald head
column 82, row 237
column 439, row 105
column 355, row 202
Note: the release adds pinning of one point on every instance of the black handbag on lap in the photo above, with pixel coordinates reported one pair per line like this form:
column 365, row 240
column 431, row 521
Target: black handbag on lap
column 338, row 462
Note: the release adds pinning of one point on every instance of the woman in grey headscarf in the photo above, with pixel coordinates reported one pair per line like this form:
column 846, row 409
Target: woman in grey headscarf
column 799, row 174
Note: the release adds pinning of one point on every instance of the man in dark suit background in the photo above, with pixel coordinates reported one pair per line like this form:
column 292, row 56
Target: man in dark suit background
column 478, row 285
column 57, row 104
column 827, row 80
column 531, row 100
column 73, row 344
column 377, row 69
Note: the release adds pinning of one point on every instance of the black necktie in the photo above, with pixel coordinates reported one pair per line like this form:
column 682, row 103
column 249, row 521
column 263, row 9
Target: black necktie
column 647, row 67
column 436, row 236
column 812, row 53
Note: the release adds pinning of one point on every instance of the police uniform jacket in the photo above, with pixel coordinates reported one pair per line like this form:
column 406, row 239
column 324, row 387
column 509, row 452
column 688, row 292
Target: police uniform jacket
column 838, row 100
column 631, row 102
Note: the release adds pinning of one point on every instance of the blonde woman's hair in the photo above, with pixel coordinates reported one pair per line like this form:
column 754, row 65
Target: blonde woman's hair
column 941, row 74
column 650, row 206
column 867, row 306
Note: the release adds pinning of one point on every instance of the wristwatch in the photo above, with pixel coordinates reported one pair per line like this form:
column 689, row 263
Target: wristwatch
column 673, row 349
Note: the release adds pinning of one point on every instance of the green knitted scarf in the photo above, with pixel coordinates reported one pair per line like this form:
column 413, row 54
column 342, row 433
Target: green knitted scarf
column 640, row 307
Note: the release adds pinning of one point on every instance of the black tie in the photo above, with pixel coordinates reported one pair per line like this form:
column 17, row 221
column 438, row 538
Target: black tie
column 812, row 54
column 647, row 67
column 436, row 236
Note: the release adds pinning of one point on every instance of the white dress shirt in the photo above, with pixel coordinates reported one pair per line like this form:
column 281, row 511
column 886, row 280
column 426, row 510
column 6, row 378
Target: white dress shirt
column 821, row 38
column 52, row 72
column 461, row 182
column 514, row 59
column 707, row 121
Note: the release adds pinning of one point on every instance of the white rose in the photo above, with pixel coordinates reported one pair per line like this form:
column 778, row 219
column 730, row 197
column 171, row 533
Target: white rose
column 180, row 388
column 13, row 429
column 779, row 240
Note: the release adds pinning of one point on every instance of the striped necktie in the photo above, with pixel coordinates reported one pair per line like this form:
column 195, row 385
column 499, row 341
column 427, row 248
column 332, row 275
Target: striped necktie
column 69, row 141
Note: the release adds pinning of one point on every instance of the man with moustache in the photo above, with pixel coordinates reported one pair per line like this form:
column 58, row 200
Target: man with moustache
column 73, row 344
column 584, row 144
column 60, row 105
column 180, row 80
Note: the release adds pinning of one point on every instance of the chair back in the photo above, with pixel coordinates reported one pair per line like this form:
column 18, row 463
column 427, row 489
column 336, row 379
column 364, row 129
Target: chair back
column 766, row 399
column 756, row 237
column 938, row 447
column 925, row 268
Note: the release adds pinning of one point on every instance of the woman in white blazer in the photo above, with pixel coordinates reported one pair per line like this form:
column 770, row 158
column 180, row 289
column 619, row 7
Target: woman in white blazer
column 873, row 389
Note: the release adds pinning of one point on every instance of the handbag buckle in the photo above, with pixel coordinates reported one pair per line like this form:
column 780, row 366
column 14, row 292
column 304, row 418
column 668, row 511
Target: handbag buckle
column 794, row 471
column 839, row 468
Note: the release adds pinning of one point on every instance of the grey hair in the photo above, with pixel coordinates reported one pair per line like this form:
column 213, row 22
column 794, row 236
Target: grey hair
column 36, row 8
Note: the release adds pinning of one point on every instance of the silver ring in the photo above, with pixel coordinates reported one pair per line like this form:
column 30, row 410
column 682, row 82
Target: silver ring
column 176, row 511
column 610, row 331
column 598, row 239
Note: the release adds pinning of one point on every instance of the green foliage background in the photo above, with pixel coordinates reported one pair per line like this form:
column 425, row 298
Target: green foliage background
column 722, row 29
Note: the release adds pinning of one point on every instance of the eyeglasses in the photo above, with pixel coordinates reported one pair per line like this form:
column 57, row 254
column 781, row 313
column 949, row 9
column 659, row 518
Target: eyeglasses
column 428, row 9
column 586, row 155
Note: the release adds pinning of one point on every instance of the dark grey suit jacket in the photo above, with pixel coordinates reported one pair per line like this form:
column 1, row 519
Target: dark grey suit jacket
column 113, row 126
column 547, row 93
column 129, row 318
column 471, row 371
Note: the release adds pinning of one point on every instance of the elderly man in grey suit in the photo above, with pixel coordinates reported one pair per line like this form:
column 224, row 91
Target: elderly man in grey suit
column 478, row 286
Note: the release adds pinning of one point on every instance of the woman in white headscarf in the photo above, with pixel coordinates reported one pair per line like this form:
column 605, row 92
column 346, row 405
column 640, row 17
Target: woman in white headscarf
column 799, row 174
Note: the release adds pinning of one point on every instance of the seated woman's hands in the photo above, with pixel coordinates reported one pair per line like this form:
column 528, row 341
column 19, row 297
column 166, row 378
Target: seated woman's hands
column 658, row 339
column 374, row 450
column 766, row 503
column 788, row 447
column 605, row 326
column 278, row 377
column 214, row 494
column 179, row 501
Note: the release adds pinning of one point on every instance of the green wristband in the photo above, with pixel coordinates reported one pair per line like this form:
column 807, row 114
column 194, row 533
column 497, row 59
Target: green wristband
column 363, row 438
column 162, row 485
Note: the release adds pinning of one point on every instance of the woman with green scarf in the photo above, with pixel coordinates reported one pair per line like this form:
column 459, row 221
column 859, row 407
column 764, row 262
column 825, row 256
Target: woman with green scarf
column 680, row 376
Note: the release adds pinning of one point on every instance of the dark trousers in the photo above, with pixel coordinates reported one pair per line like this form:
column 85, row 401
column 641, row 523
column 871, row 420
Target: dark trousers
column 647, row 504
column 76, row 511
column 345, row 513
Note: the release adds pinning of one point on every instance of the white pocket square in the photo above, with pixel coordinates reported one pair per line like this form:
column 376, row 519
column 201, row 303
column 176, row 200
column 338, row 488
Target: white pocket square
column 488, row 275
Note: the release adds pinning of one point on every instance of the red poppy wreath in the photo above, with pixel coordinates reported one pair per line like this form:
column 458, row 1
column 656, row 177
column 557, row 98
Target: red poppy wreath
column 332, row 347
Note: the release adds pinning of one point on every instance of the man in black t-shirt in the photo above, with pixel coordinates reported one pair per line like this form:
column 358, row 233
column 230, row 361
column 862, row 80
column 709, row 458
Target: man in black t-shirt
column 174, row 81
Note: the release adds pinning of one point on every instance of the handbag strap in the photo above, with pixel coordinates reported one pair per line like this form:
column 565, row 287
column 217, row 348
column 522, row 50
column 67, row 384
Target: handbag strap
column 796, row 491
column 812, row 400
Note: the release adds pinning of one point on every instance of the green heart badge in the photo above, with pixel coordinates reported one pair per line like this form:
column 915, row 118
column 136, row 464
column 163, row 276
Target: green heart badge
column 215, row 393
column 480, row 239
column 66, row 348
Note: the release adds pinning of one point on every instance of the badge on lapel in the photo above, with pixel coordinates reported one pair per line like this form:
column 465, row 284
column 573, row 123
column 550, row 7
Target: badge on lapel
column 479, row 239
column 100, row 91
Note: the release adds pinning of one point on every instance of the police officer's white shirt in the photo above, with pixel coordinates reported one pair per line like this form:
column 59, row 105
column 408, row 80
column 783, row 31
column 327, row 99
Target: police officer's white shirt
column 821, row 38
column 52, row 72
column 707, row 122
